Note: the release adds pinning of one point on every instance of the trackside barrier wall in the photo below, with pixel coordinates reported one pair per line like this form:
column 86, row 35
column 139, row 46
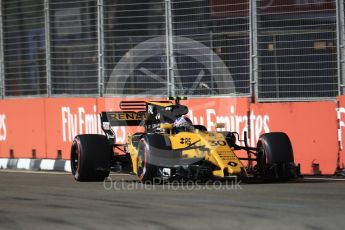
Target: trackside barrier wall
column 311, row 127
column 44, row 128
column 23, row 128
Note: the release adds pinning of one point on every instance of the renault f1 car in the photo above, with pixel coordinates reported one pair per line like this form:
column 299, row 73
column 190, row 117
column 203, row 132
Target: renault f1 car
column 168, row 153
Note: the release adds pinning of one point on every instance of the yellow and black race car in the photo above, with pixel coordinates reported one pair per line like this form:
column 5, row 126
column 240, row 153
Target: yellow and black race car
column 166, row 152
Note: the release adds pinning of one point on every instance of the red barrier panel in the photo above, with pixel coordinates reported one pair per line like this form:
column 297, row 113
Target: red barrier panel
column 65, row 119
column 22, row 128
column 49, row 125
column 312, row 127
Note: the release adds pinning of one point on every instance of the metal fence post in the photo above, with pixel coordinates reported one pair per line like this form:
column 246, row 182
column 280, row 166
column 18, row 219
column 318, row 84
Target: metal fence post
column 100, row 38
column 251, row 66
column 2, row 66
column 254, row 65
column 47, row 46
column 169, row 49
column 341, row 45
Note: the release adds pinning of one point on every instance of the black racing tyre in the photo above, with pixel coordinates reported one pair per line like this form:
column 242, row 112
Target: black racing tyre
column 146, row 171
column 90, row 157
column 275, row 158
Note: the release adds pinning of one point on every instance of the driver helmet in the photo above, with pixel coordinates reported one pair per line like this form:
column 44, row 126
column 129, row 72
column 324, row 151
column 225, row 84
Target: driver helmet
column 183, row 123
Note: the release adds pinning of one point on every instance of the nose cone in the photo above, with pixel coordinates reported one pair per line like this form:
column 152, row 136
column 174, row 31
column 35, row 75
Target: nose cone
column 233, row 170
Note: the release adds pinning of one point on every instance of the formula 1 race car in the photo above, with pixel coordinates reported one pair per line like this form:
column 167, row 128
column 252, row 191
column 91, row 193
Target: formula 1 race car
column 165, row 152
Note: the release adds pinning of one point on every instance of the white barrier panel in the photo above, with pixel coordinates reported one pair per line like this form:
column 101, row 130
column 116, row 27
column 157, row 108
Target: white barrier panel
column 47, row 164
column 24, row 164
column 3, row 163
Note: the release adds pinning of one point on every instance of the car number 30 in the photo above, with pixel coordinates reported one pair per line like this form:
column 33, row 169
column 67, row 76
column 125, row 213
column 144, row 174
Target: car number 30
column 217, row 143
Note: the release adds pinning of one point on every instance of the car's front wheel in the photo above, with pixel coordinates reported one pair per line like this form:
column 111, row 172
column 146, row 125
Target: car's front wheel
column 275, row 158
column 146, row 170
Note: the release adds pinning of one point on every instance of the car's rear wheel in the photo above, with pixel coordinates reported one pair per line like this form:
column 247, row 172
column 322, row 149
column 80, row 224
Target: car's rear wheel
column 146, row 171
column 90, row 157
column 275, row 158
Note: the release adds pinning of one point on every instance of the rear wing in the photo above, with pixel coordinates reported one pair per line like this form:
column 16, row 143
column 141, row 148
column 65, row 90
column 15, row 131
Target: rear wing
column 139, row 105
column 133, row 105
column 136, row 113
column 132, row 114
column 122, row 118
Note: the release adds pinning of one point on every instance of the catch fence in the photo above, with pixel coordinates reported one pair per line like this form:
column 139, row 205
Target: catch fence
column 271, row 50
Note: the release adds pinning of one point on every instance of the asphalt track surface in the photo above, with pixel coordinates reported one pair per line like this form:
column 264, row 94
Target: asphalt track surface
column 56, row 201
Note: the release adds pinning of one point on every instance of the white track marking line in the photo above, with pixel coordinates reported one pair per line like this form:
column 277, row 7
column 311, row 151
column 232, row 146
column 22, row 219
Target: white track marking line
column 322, row 178
column 120, row 174
column 123, row 174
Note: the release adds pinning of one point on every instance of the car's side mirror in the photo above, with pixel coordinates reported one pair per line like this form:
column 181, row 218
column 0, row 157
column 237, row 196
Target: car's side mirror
column 166, row 126
column 220, row 125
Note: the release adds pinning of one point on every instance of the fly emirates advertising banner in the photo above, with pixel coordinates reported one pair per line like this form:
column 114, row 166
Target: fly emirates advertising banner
column 47, row 127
